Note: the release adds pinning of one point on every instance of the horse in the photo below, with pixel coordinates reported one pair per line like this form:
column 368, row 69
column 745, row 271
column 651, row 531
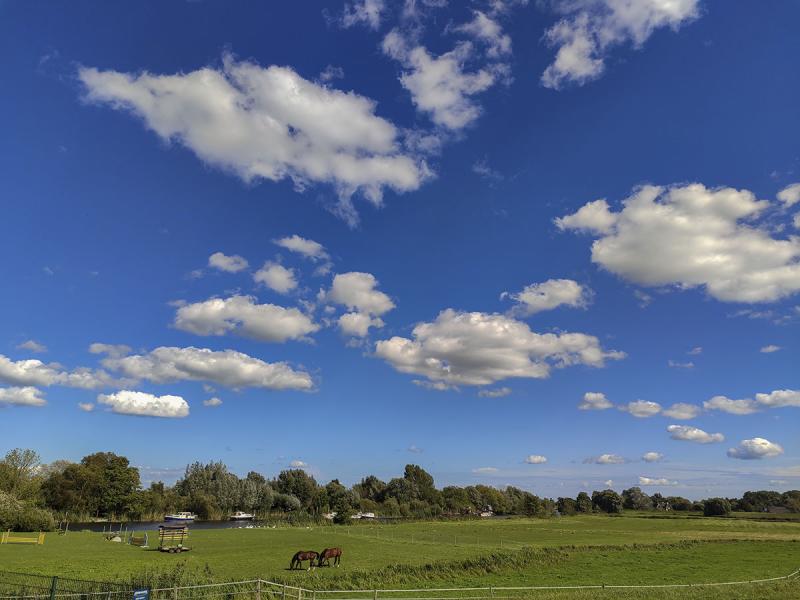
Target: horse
column 327, row 554
column 299, row 557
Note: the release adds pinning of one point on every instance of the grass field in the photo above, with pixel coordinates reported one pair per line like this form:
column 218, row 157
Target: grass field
column 581, row 550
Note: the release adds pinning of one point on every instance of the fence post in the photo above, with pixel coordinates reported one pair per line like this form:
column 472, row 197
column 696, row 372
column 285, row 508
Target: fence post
column 491, row 591
column 175, row 593
column 53, row 588
column 283, row 592
column 376, row 595
column 258, row 590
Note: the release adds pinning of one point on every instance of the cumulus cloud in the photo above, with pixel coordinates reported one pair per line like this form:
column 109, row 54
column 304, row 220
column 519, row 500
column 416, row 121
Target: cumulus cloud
column 682, row 411
column 230, row 264
column 535, row 459
column 359, row 293
column 306, row 248
column 298, row 464
column 276, row 277
column 267, row 123
column 141, row 404
column 114, row 350
column 36, row 373
column 593, row 217
column 595, row 401
column 769, row 349
column 745, row 406
column 641, row 408
column 86, row 406
column 693, row 434
column 495, row 393
column 441, row 86
column 22, row 396
column 488, row 31
column 32, row 346
column 652, row 457
column 605, row 459
column 648, row 481
column 755, row 449
column 212, row 402
column 779, row 399
column 241, row 314
column 358, row 324
column 366, row 12
column 590, row 29
column 461, row 348
column 548, row 295
column 227, row 367
column 790, row 195
column 692, row 236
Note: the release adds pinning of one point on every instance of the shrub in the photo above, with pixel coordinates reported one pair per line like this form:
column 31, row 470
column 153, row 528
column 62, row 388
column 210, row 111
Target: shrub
column 22, row 516
column 716, row 507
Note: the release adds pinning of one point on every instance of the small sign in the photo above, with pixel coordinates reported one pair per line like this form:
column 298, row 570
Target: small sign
column 141, row 595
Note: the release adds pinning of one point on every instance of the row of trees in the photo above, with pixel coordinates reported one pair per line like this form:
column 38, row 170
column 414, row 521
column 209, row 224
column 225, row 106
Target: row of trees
column 106, row 485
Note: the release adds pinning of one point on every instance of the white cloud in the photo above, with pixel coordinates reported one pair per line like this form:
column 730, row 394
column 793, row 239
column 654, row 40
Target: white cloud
column 113, row 350
column 22, row 396
column 86, row 406
column 276, row 277
column 647, row 481
column 212, row 402
column 487, row 31
column 267, row 123
column 593, row 217
column 652, row 457
column 673, row 364
column 790, row 195
column 438, row 386
column 32, row 346
column 608, row 483
column 755, row 449
column 535, row 459
column 745, row 406
column 591, row 28
column 693, row 434
column 357, row 291
column 641, row 408
column 440, row 86
column 36, row 373
column 605, row 459
column 779, row 399
column 298, row 464
column 549, row 295
column 682, row 411
column 769, row 349
column 367, row 12
column 303, row 246
column 796, row 221
column 692, row 236
column 227, row 367
column 141, row 404
column 595, row 401
column 695, row 351
column 358, row 324
column 495, row 393
column 485, row 470
column 230, row 264
column 240, row 314
column 476, row 348
column 414, row 449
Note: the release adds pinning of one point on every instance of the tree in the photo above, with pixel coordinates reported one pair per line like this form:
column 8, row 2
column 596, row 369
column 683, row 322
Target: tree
column 18, row 474
column 583, row 504
column 607, row 501
column 760, row 501
column 299, row 484
column 370, row 488
column 635, row 499
column 716, row 507
column 456, row 500
column 568, row 506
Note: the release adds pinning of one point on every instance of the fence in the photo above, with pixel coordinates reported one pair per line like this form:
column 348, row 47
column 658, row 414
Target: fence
column 20, row 586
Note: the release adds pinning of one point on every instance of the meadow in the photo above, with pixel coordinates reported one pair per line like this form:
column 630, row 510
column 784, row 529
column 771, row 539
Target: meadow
column 580, row 550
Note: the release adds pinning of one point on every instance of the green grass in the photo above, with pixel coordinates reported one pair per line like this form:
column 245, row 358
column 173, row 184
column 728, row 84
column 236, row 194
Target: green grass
column 582, row 550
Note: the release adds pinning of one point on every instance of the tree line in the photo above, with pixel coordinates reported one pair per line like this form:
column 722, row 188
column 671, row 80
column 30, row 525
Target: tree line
column 104, row 485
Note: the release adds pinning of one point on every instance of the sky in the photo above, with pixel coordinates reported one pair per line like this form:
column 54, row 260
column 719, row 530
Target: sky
column 548, row 244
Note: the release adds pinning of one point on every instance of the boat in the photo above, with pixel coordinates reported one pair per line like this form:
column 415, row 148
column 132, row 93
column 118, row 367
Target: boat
column 183, row 517
column 241, row 516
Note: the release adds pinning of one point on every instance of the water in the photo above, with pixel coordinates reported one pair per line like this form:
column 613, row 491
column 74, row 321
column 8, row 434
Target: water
column 153, row 525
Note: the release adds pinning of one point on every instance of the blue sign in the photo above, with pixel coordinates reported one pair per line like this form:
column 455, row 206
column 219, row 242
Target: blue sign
column 141, row 595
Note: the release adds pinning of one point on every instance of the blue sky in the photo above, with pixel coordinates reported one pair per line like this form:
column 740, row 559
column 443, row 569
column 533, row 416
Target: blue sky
column 434, row 230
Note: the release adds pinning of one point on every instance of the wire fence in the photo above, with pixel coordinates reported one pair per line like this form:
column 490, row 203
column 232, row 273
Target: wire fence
column 21, row 586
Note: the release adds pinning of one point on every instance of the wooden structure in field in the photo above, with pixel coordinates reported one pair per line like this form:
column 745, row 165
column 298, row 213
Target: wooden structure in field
column 171, row 538
column 7, row 538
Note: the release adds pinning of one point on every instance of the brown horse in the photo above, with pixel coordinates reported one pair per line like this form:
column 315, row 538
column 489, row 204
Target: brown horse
column 330, row 553
column 299, row 557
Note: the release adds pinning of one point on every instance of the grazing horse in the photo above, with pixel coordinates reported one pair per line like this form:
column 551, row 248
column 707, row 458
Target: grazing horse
column 299, row 557
column 330, row 553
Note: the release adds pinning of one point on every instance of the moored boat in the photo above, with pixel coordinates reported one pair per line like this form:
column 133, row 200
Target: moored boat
column 241, row 516
column 182, row 517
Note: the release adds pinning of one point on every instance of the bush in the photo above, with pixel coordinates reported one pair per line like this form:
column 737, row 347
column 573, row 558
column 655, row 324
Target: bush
column 716, row 507
column 22, row 516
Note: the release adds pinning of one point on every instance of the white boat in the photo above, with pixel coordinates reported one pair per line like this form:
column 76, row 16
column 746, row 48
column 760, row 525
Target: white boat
column 184, row 517
column 241, row 516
